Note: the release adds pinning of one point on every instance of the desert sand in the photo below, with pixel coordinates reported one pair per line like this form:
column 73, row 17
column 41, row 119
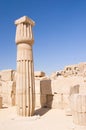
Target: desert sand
column 43, row 119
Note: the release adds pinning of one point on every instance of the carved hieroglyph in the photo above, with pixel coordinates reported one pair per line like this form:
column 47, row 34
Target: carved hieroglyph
column 25, row 72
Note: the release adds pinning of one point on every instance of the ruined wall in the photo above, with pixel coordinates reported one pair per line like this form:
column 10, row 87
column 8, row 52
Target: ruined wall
column 71, row 70
column 52, row 92
column 42, row 86
column 7, row 87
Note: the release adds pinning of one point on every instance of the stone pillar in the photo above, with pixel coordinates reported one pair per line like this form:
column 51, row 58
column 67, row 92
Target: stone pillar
column 78, row 106
column 25, row 71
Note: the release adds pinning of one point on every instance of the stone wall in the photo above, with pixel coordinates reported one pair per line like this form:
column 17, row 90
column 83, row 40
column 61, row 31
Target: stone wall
column 71, row 70
column 7, row 75
column 42, row 87
column 61, row 89
column 53, row 92
column 7, row 87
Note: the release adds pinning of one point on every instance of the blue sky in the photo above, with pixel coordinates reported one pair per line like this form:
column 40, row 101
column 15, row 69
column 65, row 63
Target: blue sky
column 59, row 32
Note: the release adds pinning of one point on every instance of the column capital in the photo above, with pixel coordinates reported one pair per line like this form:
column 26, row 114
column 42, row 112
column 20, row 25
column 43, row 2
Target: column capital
column 26, row 20
column 24, row 30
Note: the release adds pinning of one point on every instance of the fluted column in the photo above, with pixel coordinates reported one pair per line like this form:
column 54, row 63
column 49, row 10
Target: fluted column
column 78, row 107
column 25, row 88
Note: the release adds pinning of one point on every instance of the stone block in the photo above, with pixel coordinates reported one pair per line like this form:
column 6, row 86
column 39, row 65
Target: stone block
column 6, row 75
column 46, row 87
column 78, row 102
column 39, row 74
column 8, row 93
column 0, row 102
column 40, row 100
column 57, row 101
column 43, row 86
column 60, row 86
column 66, row 85
column 37, row 86
column 43, row 100
column 74, row 89
column 78, row 107
column 49, row 100
column 54, row 101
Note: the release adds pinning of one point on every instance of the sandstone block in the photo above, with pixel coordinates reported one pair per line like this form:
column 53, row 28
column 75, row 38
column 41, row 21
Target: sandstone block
column 6, row 75
column 8, row 93
column 64, row 85
column 0, row 102
column 54, row 101
column 74, row 89
column 78, row 106
column 40, row 100
column 78, row 102
column 39, row 74
column 37, row 86
column 43, row 86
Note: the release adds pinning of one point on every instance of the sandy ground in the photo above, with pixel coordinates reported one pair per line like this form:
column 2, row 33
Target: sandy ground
column 44, row 119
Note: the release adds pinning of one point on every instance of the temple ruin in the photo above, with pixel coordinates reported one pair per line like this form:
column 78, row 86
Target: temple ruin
column 29, row 90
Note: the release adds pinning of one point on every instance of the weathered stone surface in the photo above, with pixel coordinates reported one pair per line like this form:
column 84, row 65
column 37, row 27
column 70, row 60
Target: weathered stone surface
column 7, row 75
column 64, row 85
column 74, row 89
column 24, row 30
column 0, row 102
column 25, row 19
column 57, row 101
column 78, row 106
column 71, row 70
column 39, row 74
column 40, row 100
column 37, row 86
column 25, row 88
column 8, row 93
column 42, row 88
column 57, row 91
column 54, row 101
column 45, row 86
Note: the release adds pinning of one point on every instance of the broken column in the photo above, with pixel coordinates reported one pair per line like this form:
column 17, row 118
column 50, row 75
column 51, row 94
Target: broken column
column 25, row 91
column 78, row 106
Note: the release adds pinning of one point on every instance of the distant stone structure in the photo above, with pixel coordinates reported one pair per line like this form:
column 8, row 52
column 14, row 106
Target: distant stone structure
column 25, row 89
column 71, row 70
column 8, row 88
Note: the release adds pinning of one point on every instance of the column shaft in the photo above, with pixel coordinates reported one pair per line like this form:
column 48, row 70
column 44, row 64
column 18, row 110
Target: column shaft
column 25, row 91
column 25, row 72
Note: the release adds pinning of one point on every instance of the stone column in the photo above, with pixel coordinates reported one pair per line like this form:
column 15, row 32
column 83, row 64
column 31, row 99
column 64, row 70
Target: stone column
column 78, row 107
column 25, row 91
